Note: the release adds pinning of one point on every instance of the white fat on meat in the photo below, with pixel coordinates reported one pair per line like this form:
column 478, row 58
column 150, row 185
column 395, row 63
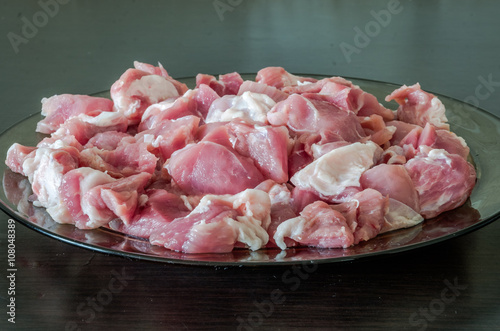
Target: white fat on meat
column 90, row 179
column 400, row 216
column 249, row 106
column 338, row 169
column 45, row 173
column 151, row 88
column 254, row 207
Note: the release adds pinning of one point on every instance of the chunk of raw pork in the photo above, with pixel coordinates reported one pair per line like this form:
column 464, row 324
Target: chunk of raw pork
column 393, row 181
column 84, row 127
column 301, row 115
column 136, row 90
column 419, row 107
column 317, row 225
column 218, row 223
column 271, row 91
column 60, row 108
column 443, row 181
column 94, row 198
column 336, row 175
column 45, row 169
column 160, row 71
column 279, row 77
column 365, row 213
column 249, row 106
column 228, row 84
column 161, row 207
column 127, row 159
column 210, row 168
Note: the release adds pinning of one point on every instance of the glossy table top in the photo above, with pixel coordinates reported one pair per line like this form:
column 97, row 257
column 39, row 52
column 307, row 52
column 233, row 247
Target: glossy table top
column 82, row 47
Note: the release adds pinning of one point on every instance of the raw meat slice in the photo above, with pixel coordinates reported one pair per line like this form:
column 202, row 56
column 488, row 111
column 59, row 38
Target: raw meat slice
column 136, row 90
column 169, row 136
column 108, row 140
column 161, row 207
column 301, row 115
column 45, row 169
column 377, row 130
column 84, row 127
column 249, row 106
column 218, row 223
column 160, row 71
column 268, row 146
column 419, row 107
column 400, row 216
column 94, row 198
column 127, row 159
column 16, row 154
column 344, row 95
column 60, row 108
column 281, row 208
column 170, row 109
column 337, row 171
column 204, row 97
column 318, row 225
column 393, row 181
column 279, row 77
column 443, row 181
column 270, row 91
column 228, row 84
column 365, row 213
column 210, row 168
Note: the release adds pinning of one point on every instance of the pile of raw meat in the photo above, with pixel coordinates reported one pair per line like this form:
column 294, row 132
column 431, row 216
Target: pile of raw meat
column 281, row 161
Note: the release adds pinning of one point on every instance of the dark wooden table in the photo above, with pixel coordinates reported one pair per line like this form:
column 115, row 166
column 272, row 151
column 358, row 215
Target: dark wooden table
column 450, row 47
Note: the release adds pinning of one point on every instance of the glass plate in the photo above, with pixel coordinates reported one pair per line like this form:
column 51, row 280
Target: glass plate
column 480, row 129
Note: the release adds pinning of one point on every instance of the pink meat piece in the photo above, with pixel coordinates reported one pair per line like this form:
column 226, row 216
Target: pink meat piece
column 318, row 225
column 393, row 181
column 437, row 139
column 169, row 136
column 365, row 213
column 160, row 71
column 207, row 167
column 335, row 176
column 218, row 223
column 127, row 159
column 301, row 115
column 344, row 95
column 250, row 106
column 204, row 97
column 402, row 129
column 300, row 198
column 270, row 91
column 443, row 139
column 45, row 168
column 279, row 77
column 16, row 154
column 320, row 150
column 108, row 140
column 377, row 130
column 84, row 127
column 156, row 114
column 419, row 107
column 443, row 181
column 393, row 155
column 227, row 84
column 94, row 198
column 267, row 146
column 136, row 90
column 161, row 207
column 400, row 216
column 60, row 108
column 281, row 208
